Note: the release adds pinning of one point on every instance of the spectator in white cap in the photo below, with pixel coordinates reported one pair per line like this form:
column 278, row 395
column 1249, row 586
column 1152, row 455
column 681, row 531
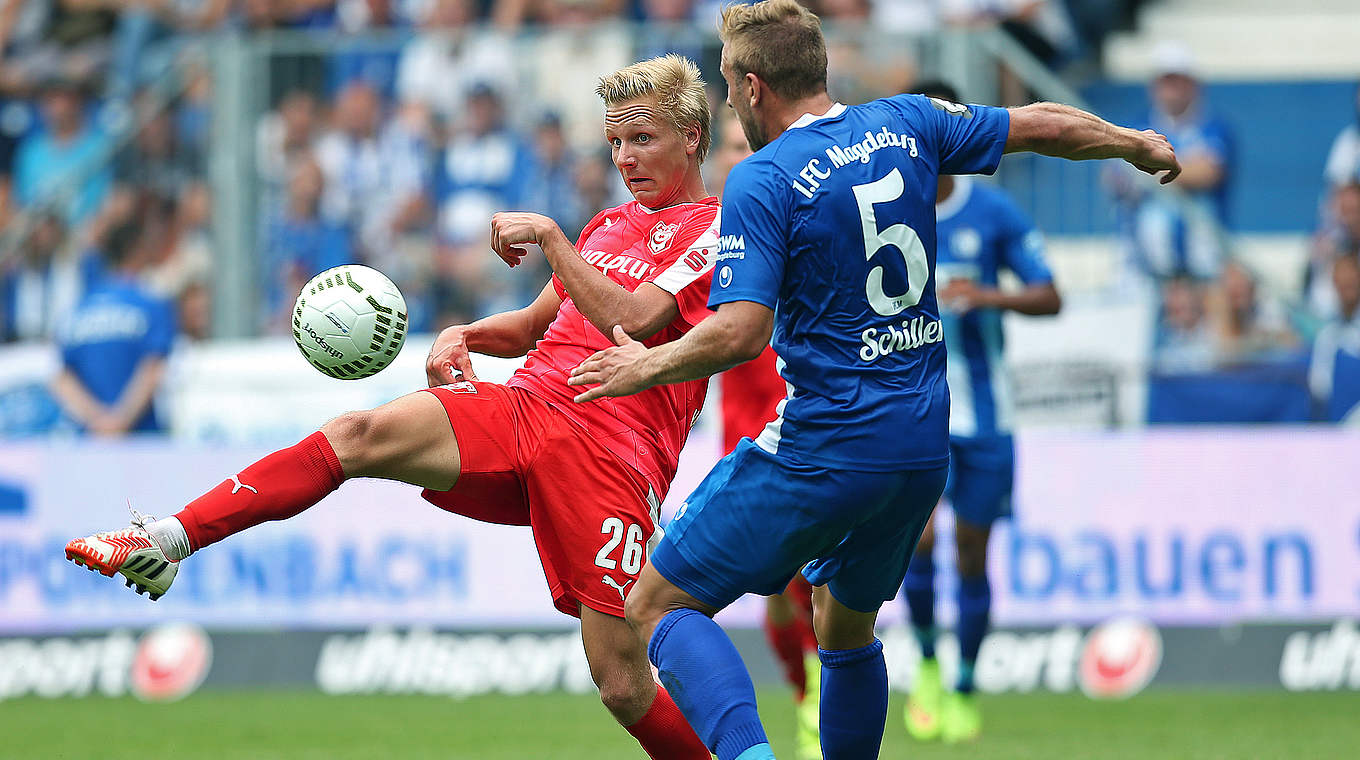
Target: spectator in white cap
column 1343, row 160
column 1167, row 238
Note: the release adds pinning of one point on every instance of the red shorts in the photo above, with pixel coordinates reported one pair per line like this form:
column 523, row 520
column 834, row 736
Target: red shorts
column 525, row 463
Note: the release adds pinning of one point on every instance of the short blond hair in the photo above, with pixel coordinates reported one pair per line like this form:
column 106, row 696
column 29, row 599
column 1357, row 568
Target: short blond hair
column 674, row 81
column 779, row 41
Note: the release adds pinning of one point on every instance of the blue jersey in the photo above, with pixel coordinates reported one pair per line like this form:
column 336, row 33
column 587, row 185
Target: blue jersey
column 113, row 329
column 833, row 226
column 980, row 233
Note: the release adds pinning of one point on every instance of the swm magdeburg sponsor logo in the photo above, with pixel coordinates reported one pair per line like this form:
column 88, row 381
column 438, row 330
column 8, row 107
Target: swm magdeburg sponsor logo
column 167, row 662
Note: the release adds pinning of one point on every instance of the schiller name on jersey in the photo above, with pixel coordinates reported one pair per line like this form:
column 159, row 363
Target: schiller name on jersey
column 674, row 249
column 832, row 225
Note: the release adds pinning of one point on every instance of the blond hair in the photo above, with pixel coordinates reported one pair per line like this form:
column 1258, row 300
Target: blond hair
column 779, row 41
column 674, row 81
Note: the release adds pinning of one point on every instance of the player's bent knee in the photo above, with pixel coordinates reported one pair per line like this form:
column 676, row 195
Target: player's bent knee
column 627, row 698
column 363, row 441
column 348, row 436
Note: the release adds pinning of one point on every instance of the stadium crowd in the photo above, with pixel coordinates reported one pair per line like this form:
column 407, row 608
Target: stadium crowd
column 391, row 143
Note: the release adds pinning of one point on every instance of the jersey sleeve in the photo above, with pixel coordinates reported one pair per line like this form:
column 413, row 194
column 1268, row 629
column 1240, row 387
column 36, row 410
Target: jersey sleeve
column 686, row 271
column 1022, row 246
column 969, row 139
column 753, row 246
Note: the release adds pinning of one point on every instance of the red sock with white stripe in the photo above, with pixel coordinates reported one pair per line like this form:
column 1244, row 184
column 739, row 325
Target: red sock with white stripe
column 665, row 734
column 275, row 488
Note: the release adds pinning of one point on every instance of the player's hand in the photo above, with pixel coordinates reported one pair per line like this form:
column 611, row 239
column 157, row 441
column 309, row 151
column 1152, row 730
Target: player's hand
column 449, row 358
column 512, row 230
column 962, row 295
column 1154, row 154
column 616, row 371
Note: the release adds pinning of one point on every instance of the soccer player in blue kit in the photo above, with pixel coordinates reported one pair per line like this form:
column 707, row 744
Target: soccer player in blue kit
column 979, row 231
column 828, row 242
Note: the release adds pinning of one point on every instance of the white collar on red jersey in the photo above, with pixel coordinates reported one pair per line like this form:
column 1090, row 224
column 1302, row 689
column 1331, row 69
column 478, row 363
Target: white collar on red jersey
column 705, row 202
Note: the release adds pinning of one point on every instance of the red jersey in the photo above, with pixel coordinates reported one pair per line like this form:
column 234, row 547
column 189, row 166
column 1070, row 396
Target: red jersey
column 673, row 248
column 750, row 394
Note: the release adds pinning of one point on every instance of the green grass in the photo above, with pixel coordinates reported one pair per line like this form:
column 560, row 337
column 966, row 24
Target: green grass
column 261, row 725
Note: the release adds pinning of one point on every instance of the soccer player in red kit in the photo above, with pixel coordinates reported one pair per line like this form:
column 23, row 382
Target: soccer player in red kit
column 588, row 479
column 750, row 395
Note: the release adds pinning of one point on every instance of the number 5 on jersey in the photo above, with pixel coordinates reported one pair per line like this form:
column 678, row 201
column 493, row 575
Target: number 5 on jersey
column 633, row 549
column 886, row 190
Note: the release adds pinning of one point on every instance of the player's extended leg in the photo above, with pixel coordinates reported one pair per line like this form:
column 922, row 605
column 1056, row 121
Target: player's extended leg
column 618, row 665
column 964, row 721
column 408, row 439
column 922, row 712
column 699, row 666
column 854, row 679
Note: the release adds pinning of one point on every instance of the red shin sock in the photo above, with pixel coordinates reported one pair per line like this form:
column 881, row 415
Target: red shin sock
column 665, row 735
column 274, row 488
column 787, row 640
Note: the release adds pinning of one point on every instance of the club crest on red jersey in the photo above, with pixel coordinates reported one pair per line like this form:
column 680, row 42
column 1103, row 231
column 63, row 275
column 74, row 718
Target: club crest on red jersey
column 661, row 235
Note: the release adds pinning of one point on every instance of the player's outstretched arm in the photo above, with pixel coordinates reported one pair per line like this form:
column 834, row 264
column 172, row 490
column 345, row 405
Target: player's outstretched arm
column 737, row 333
column 642, row 312
column 1033, row 300
column 508, row 334
column 1053, row 129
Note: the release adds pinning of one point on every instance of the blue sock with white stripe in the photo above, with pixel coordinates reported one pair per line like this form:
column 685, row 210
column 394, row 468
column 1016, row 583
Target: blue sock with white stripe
column 854, row 702
column 705, row 676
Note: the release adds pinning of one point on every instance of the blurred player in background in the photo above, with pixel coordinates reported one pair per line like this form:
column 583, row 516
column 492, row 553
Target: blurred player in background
column 978, row 231
column 751, row 393
column 827, row 244
column 588, row 479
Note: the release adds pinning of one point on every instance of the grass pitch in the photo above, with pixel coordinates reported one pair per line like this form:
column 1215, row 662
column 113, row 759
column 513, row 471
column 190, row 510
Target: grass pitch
column 261, row 725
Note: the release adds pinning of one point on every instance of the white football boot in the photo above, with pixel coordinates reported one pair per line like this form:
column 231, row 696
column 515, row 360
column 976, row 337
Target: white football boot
column 130, row 551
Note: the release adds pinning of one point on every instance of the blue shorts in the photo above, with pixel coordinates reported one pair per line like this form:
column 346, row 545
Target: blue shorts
column 981, row 477
column 757, row 519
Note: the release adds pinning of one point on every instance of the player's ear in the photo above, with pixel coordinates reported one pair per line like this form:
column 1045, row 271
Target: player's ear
column 755, row 89
column 691, row 133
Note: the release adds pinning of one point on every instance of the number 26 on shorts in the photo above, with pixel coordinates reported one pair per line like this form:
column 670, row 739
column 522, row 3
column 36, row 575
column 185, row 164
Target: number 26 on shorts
column 633, row 547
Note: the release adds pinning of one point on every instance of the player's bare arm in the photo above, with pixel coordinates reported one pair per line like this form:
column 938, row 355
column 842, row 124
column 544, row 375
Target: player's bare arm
column 964, row 295
column 508, row 334
column 642, row 312
column 1053, row 129
column 737, row 333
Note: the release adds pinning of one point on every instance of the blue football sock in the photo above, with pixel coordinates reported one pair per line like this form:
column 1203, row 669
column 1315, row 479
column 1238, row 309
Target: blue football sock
column 919, row 588
column 705, row 676
column 854, row 702
column 758, row 752
column 975, row 607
